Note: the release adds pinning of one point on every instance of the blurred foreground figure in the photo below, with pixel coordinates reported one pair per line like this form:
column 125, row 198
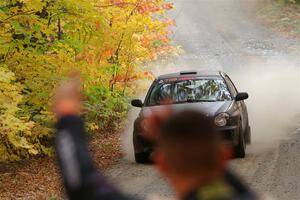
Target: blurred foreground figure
column 189, row 154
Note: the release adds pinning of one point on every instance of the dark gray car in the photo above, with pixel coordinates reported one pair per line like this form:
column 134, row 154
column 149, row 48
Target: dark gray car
column 210, row 92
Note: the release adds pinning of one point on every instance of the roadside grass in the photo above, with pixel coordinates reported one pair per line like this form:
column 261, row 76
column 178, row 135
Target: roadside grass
column 284, row 18
column 38, row 178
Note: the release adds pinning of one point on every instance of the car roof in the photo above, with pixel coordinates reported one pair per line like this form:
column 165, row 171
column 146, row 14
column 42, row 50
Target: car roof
column 192, row 73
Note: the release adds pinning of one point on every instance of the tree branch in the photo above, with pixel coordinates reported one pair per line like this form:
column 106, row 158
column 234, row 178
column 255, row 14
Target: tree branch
column 18, row 14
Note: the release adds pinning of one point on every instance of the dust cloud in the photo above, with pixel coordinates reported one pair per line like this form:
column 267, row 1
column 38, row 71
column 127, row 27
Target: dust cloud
column 274, row 100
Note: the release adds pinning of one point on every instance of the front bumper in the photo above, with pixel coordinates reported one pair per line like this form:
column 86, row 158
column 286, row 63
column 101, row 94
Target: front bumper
column 229, row 133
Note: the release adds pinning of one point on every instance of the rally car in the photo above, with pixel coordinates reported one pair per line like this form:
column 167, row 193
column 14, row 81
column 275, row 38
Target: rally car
column 211, row 92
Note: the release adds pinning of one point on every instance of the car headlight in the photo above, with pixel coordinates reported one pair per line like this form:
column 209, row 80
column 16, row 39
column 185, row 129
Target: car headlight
column 221, row 119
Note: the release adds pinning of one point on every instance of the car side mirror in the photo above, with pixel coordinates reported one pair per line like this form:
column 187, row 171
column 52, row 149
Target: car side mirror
column 241, row 96
column 137, row 103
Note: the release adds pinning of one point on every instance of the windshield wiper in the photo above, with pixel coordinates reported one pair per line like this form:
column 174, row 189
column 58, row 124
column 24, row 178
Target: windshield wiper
column 182, row 102
column 199, row 100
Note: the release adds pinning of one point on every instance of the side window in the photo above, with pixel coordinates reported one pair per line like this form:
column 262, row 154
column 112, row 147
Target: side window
column 231, row 86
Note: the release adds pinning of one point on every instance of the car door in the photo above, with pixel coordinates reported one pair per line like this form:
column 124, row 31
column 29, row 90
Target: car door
column 241, row 104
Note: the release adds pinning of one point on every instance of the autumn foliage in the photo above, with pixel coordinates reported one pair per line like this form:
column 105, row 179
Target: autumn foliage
column 41, row 41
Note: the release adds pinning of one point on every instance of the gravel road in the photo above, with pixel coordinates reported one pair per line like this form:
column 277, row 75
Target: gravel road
column 223, row 35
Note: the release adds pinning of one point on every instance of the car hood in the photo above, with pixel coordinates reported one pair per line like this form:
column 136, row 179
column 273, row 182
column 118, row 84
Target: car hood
column 208, row 108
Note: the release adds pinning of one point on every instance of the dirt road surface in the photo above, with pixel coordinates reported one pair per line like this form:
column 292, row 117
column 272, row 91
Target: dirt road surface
column 224, row 35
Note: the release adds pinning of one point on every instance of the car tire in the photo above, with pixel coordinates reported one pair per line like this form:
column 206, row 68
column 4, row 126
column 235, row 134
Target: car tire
column 248, row 135
column 240, row 149
column 142, row 158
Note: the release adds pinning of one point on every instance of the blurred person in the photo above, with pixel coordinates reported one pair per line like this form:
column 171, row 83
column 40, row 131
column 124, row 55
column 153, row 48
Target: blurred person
column 194, row 158
column 189, row 153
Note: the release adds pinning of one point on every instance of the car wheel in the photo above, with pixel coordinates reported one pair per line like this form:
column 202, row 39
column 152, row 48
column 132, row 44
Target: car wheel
column 240, row 149
column 142, row 157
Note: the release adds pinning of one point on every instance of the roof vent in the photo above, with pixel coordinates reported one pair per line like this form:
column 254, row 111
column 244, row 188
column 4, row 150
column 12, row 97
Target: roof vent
column 187, row 72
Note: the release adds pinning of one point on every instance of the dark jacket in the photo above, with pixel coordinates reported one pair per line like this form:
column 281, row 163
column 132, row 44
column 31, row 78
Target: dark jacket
column 84, row 182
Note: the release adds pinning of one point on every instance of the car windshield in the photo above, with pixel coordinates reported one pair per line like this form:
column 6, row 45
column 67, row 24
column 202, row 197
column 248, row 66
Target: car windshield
column 183, row 90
